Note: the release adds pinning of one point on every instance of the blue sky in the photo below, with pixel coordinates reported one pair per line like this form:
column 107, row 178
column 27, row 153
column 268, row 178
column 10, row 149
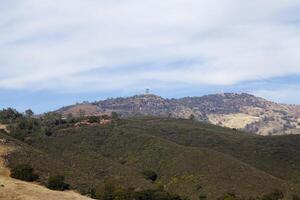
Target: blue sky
column 55, row 53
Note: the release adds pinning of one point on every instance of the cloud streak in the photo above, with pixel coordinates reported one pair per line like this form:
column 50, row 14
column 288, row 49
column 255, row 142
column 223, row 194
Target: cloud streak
column 72, row 46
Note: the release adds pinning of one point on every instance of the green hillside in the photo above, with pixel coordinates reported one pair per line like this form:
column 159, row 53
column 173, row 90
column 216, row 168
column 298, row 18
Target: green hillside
column 191, row 159
column 276, row 155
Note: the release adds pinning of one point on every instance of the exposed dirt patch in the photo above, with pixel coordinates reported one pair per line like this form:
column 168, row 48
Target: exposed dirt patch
column 239, row 120
column 3, row 127
column 12, row 189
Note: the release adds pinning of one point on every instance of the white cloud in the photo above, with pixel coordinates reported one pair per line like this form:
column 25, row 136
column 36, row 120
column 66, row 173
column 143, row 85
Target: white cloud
column 290, row 94
column 75, row 45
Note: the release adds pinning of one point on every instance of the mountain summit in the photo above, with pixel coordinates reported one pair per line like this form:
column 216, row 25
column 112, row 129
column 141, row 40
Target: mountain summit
column 241, row 111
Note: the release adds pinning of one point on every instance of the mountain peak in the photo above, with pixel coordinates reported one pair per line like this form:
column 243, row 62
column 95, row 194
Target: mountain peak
column 234, row 110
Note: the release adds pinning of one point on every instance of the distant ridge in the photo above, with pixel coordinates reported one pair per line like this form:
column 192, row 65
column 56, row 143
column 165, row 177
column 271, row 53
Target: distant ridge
column 242, row 111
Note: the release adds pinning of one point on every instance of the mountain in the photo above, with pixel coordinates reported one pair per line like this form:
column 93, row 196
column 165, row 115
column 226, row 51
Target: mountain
column 192, row 159
column 240, row 111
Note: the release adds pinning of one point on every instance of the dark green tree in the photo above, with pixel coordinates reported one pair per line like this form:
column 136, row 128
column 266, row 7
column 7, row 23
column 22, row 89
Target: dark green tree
column 150, row 175
column 276, row 195
column 115, row 116
column 24, row 172
column 296, row 197
column 29, row 113
column 57, row 183
column 192, row 117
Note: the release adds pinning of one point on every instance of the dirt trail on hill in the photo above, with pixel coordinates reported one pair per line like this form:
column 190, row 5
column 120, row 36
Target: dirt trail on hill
column 12, row 189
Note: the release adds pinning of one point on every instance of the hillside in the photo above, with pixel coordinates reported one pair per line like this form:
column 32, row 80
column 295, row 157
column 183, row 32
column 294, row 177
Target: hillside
column 12, row 189
column 241, row 111
column 191, row 159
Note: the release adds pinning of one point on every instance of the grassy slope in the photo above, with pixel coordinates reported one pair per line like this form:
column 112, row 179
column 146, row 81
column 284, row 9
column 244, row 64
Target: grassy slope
column 277, row 155
column 82, row 169
column 182, row 152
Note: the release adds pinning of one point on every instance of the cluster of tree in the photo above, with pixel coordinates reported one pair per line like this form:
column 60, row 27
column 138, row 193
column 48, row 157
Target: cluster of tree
column 21, row 126
column 9, row 115
column 109, row 191
column 26, row 173
column 275, row 195
column 57, row 182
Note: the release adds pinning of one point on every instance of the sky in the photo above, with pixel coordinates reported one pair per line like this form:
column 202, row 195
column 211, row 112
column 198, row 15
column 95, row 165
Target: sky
column 58, row 52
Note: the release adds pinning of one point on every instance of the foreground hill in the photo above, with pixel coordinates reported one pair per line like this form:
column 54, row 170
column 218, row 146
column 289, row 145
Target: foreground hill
column 241, row 111
column 191, row 159
column 12, row 189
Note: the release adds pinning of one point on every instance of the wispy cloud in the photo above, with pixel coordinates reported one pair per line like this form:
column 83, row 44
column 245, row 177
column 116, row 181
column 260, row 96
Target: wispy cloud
column 79, row 45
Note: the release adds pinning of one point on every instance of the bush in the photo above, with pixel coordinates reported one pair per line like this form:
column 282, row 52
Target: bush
column 57, row 183
column 93, row 119
column 9, row 115
column 276, row 195
column 296, row 197
column 24, row 172
column 192, row 117
column 109, row 191
column 155, row 195
column 115, row 116
column 229, row 196
column 150, row 175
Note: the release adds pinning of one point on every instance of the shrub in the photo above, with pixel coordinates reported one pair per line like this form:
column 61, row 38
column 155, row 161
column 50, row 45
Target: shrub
column 276, row 195
column 296, row 197
column 24, row 172
column 150, row 175
column 155, row 195
column 93, row 119
column 48, row 132
column 57, row 183
column 192, row 117
column 115, row 116
column 202, row 197
column 109, row 191
column 104, row 192
column 9, row 115
column 229, row 196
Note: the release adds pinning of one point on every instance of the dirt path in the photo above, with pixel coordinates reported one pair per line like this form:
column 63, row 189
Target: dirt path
column 12, row 189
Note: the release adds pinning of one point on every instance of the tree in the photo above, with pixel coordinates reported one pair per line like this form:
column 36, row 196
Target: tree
column 81, row 113
column 104, row 192
column 29, row 113
column 150, row 175
column 57, row 183
column 228, row 196
column 276, row 195
column 192, row 117
column 48, row 132
column 94, row 119
column 114, row 115
column 296, row 197
column 24, row 172
column 70, row 118
column 52, row 119
column 9, row 115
